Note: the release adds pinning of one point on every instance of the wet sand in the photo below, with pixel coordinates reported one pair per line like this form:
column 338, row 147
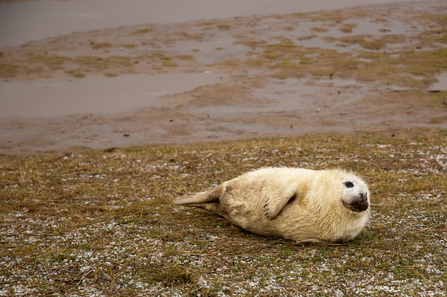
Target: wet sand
column 259, row 88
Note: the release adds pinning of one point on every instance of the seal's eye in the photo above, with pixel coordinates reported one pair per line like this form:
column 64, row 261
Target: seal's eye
column 349, row 184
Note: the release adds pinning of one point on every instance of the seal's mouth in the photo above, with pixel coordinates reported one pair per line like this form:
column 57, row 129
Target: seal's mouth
column 358, row 205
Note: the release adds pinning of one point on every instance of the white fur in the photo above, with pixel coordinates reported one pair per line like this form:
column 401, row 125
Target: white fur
column 323, row 208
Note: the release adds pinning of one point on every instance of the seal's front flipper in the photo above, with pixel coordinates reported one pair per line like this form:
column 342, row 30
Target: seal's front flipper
column 277, row 201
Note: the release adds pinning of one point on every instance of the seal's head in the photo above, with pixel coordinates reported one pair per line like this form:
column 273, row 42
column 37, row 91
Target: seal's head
column 356, row 194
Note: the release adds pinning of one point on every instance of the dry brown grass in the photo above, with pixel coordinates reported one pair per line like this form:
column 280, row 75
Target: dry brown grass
column 102, row 223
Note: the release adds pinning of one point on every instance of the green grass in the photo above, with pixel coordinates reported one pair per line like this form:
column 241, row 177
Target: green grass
column 102, row 222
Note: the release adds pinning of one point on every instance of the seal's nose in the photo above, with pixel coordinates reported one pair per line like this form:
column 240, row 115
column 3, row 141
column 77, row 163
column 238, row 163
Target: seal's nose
column 359, row 204
column 363, row 197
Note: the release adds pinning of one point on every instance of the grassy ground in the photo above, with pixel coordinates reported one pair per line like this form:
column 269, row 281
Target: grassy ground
column 102, row 223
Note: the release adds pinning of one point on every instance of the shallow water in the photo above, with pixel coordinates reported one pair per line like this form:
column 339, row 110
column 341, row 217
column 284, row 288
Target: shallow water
column 94, row 94
column 441, row 84
column 26, row 21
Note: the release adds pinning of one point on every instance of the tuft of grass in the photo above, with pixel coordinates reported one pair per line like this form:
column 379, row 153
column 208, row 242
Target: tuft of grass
column 373, row 44
column 384, row 30
column 129, row 45
column 223, row 26
column 174, row 276
column 254, row 62
column 101, row 45
column 271, row 54
column 142, row 31
column 160, row 56
column 319, row 30
column 52, row 61
column 347, row 27
column 110, row 74
column 95, row 62
column 230, row 62
column 308, row 37
column 186, row 57
column 253, row 43
column 191, row 36
column 101, row 222
column 169, row 63
column 76, row 74
column 438, row 19
column 9, row 70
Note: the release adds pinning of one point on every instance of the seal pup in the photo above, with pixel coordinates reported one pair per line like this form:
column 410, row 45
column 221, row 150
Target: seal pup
column 293, row 203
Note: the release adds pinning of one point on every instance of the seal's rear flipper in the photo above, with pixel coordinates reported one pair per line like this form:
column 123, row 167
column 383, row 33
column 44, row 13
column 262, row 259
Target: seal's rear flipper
column 212, row 195
column 211, row 207
column 206, row 200
column 188, row 199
